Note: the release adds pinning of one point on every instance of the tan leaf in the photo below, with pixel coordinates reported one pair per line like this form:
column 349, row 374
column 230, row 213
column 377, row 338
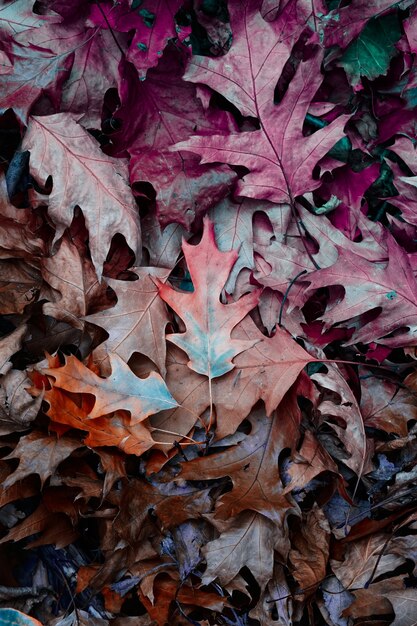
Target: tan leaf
column 310, row 549
column 17, row 407
column 247, row 540
column 73, row 277
column 137, row 322
column 83, row 176
column 9, row 345
column 39, row 454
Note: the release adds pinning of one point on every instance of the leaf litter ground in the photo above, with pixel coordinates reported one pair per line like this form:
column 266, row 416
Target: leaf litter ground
column 208, row 227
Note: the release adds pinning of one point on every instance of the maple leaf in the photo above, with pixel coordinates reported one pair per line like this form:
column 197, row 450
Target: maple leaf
column 39, row 454
column 209, row 322
column 85, row 177
column 249, row 464
column 121, row 390
column 137, row 322
column 369, row 286
column 279, row 157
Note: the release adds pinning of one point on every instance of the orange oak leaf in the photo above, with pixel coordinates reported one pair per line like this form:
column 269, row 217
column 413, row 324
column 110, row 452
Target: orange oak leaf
column 112, row 430
column 121, row 390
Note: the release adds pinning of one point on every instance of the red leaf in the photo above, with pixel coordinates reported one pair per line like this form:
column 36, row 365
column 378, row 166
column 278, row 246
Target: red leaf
column 209, row 323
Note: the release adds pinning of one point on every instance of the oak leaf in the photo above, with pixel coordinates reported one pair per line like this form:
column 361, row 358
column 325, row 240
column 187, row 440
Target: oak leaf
column 137, row 322
column 368, row 286
column 279, row 157
column 83, row 176
column 253, row 465
column 112, row 430
column 247, row 540
column 208, row 322
column 265, row 371
column 39, row 454
column 121, row 390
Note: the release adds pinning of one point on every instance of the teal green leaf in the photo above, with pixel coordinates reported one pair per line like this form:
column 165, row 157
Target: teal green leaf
column 369, row 56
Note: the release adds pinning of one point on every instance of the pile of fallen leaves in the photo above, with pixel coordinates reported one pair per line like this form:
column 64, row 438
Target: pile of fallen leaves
column 208, row 261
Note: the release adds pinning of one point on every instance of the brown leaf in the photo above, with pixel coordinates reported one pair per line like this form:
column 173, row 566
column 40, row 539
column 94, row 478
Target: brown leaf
column 9, row 345
column 17, row 408
column 137, row 322
column 39, row 454
column 253, row 465
column 247, row 540
column 72, row 276
column 55, row 528
column 310, row 549
column 82, row 176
